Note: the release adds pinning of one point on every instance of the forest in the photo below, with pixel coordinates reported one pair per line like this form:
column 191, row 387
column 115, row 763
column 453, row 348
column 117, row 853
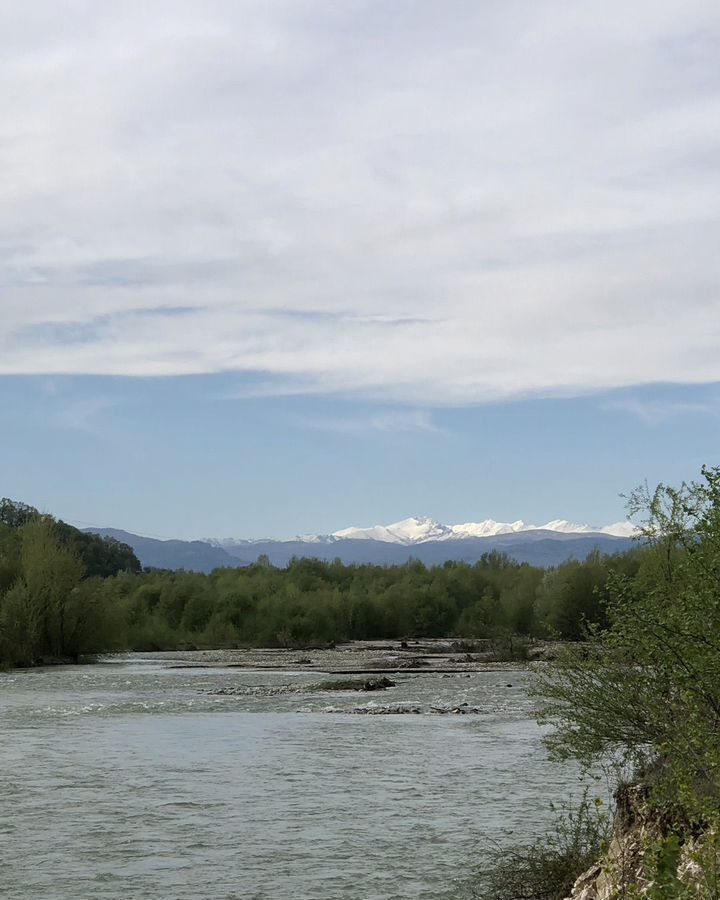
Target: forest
column 65, row 594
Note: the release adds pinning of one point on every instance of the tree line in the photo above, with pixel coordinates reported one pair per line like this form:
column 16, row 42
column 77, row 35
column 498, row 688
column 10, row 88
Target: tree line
column 64, row 593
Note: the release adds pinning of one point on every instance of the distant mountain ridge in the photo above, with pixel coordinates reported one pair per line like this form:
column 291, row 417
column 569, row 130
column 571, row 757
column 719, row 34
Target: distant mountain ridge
column 419, row 529
column 153, row 553
column 416, row 538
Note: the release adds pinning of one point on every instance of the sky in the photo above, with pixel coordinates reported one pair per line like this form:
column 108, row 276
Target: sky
column 288, row 266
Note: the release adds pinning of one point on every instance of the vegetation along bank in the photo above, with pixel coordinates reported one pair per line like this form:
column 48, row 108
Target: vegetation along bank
column 65, row 593
column 641, row 698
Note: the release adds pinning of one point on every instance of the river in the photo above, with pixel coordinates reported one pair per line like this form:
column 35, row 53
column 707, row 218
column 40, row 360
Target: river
column 131, row 779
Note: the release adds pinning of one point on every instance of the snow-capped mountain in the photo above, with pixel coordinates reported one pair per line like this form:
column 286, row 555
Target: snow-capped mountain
column 417, row 530
column 418, row 538
column 421, row 529
column 408, row 531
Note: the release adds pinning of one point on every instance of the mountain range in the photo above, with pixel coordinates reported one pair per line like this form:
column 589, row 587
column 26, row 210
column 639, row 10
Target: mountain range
column 415, row 538
column 417, row 530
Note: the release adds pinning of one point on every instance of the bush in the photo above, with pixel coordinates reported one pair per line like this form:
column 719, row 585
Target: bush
column 510, row 648
column 648, row 688
column 547, row 868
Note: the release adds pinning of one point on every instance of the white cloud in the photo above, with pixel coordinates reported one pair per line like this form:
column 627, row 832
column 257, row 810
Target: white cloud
column 416, row 202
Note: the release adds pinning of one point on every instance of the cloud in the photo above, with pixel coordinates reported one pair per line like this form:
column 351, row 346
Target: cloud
column 92, row 330
column 399, row 201
column 657, row 412
column 387, row 422
column 80, row 414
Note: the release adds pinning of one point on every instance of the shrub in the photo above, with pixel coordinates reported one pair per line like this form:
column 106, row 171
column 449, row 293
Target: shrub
column 649, row 687
column 510, row 648
column 547, row 868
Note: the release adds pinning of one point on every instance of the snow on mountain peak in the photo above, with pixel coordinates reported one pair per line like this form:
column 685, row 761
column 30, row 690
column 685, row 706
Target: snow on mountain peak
column 486, row 528
column 621, row 529
column 407, row 531
column 565, row 527
column 418, row 529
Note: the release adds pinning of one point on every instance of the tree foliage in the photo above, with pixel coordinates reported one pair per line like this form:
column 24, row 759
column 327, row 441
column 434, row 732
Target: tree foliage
column 308, row 602
column 51, row 596
column 648, row 687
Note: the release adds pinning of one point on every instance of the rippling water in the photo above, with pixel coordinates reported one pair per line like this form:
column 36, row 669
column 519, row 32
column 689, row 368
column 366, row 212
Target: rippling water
column 130, row 780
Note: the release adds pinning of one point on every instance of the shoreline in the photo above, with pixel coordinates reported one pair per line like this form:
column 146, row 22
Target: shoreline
column 432, row 656
column 439, row 656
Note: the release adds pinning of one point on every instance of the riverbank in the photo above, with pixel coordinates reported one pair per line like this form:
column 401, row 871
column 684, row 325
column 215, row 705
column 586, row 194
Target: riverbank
column 434, row 656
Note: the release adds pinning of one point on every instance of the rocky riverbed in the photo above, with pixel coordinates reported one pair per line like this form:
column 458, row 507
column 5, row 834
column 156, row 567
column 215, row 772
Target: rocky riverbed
column 359, row 657
column 346, row 686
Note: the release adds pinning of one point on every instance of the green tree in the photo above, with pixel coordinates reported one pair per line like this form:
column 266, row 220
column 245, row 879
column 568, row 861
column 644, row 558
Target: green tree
column 573, row 598
column 648, row 687
column 42, row 615
column 15, row 514
column 10, row 566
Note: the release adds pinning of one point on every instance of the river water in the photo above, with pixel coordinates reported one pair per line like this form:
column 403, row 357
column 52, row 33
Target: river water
column 130, row 780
